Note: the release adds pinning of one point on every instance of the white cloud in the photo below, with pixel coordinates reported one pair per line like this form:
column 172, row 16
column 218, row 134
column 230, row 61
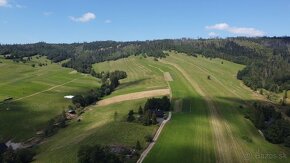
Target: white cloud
column 220, row 26
column 84, row 18
column 108, row 21
column 3, row 3
column 20, row 6
column 47, row 13
column 246, row 31
column 212, row 34
column 241, row 31
column 10, row 4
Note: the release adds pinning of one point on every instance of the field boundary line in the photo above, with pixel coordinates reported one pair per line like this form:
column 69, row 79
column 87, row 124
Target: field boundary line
column 49, row 89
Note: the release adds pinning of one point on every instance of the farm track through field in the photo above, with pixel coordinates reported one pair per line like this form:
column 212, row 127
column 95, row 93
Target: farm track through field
column 157, row 134
column 227, row 150
column 134, row 96
column 49, row 89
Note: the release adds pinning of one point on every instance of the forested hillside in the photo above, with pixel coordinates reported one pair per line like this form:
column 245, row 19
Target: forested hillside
column 267, row 59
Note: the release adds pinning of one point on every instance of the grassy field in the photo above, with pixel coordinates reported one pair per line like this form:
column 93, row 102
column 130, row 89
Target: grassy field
column 189, row 132
column 188, row 136
column 99, row 126
column 207, row 125
column 38, row 95
column 239, row 140
column 140, row 76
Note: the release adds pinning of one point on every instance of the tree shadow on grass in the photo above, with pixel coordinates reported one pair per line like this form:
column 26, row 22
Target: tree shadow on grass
column 195, row 111
column 131, row 83
column 19, row 123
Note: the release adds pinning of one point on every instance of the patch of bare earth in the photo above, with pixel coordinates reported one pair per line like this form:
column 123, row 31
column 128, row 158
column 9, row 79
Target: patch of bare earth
column 134, row 96
column 167, row 76
column 73, row 72
column 227, row 148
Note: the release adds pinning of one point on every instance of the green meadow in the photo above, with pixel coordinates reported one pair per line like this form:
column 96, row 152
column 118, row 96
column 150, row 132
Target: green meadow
column 182, row 141
column 208, row 123
column 141, row 77
column 99, row 125
column 38, row 95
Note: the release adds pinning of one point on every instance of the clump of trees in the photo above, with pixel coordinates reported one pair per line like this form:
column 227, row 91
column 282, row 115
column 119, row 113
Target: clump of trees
column 110, row 81
column 97, row 153
column 275, row 129
column 105, row 75
column 55, row 124
column 153, row 108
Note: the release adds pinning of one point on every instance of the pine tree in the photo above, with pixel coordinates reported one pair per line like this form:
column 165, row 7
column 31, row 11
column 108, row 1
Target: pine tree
column 131, row 117
column 138, row 145
column 140, row 111
column 115, row 115
column 154, row 119
column 146, row 120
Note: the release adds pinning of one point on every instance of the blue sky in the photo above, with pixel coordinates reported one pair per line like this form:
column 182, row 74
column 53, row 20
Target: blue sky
column 27, row 21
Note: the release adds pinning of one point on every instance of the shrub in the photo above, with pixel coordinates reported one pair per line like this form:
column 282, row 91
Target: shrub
column 149, row 138
column 138, row 145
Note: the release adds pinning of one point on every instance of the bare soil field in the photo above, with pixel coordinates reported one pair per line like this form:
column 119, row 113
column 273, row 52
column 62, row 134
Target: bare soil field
column 134, row 96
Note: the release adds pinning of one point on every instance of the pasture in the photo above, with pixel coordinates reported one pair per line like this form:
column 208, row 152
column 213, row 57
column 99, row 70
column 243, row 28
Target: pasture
column 140, row 76
column 104, row 125
column 232, row 137
column 38, row 95
column 207, row 125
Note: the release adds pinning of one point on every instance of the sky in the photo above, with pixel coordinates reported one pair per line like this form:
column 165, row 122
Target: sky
column 67, row 21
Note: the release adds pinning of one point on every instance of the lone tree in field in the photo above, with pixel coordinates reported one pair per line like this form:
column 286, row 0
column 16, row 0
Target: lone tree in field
column 208, row 77
column 115, row 115
column 131, row 117
column 138, row 145
column 140, row 111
